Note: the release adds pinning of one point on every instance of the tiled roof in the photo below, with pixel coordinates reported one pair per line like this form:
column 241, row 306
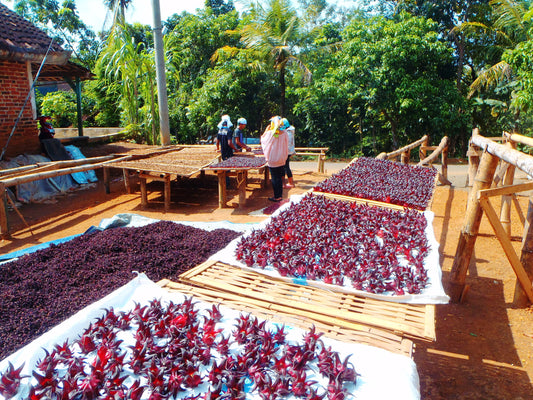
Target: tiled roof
column 19, row 36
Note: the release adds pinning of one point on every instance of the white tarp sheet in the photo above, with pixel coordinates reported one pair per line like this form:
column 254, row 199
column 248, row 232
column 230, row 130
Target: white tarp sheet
column 383, row 375
column 433, row 294
column 133, row 220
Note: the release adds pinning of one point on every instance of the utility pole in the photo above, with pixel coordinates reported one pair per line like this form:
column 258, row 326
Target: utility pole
column 160, row 73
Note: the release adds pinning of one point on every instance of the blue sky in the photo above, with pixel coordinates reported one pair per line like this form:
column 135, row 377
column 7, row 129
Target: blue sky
column 93, row 12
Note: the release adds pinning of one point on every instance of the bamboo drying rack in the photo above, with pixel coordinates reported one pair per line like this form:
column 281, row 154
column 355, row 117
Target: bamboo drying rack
column 161, row 166
column 479, row 201
column 404, row 154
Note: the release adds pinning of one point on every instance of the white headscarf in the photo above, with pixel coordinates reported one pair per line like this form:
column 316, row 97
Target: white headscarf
column 227, row 119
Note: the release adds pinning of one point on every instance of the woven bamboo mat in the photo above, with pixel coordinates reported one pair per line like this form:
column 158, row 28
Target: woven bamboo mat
column 180, row 161
column 346, row 310
column 357, row 333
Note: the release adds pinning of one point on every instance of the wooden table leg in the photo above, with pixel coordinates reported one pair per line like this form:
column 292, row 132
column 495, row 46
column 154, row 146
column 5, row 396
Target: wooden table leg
column 106, row 180
column 144, row 194
column 127, row 182
column 221, row 189
column 4, row 225
column 167, row 192
column 242, row 178
column 266, row 178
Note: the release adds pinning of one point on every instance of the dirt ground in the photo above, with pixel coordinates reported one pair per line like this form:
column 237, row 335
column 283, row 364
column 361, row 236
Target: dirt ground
column 484, row 346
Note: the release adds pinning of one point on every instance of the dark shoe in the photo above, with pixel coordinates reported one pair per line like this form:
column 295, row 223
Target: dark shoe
column 275, row 200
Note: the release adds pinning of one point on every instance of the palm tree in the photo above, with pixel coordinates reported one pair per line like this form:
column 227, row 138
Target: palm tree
column 510, row 28
column 271, row 38
column 118, row 8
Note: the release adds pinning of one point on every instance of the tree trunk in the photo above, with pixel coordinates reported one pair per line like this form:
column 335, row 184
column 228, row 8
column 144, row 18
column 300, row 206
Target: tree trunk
column 394, row 128
column 460, row 61
column 282, row 87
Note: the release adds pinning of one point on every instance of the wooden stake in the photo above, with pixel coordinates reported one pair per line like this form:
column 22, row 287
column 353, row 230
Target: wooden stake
column 18, row 212
column 467, row 238
column 526, row 258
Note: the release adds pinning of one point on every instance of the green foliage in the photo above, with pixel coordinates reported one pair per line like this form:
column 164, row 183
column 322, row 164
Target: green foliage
column 232, row 88
column 61, row 106
column 390, row 83
column 128, row 69
column 219, row 7
column 190, row 46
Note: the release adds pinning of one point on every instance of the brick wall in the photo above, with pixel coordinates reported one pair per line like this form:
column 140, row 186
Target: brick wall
column 14, row 86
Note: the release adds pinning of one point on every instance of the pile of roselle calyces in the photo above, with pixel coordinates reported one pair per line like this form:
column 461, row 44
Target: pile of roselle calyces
column 373, row 249
column 240, row 162
column 178, row 351
column 41, row 289
column 383, row 180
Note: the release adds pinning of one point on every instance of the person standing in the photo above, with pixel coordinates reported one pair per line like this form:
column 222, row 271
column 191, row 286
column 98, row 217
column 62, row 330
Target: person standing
column 290, row 140
column 275, row 148
column 239, row 135
column 224, row 140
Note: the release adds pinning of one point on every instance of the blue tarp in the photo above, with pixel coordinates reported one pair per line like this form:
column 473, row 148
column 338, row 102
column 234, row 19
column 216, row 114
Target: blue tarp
column 80, row 177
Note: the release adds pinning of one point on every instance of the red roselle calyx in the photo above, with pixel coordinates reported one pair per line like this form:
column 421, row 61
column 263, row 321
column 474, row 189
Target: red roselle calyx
column 177, row 349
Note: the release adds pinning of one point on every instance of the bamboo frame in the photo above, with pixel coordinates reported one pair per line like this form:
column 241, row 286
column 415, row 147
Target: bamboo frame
column 406, row 149
column 442, row 150
column 479, row 202
column 468, row 236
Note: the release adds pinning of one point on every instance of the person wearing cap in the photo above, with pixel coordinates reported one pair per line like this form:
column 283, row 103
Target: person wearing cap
column 224, row 142
column 239, row 135
column 275, row 148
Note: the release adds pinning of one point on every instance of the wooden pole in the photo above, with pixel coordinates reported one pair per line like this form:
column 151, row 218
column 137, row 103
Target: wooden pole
column 473, row 163
column 526, row 258
column 435, row 153
column 424, row 145
column 48, row 174
column 221, row 188
column 107, row 183
column 520, row 160
column 467, row 238
column 144, row 192
column 505, row 211
column 4, row 226
column 242, row 177
column 444, row 162
column 396, row 153
column 127, row 181
column 514, row 137
column 167, row 192
column 406, row 155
